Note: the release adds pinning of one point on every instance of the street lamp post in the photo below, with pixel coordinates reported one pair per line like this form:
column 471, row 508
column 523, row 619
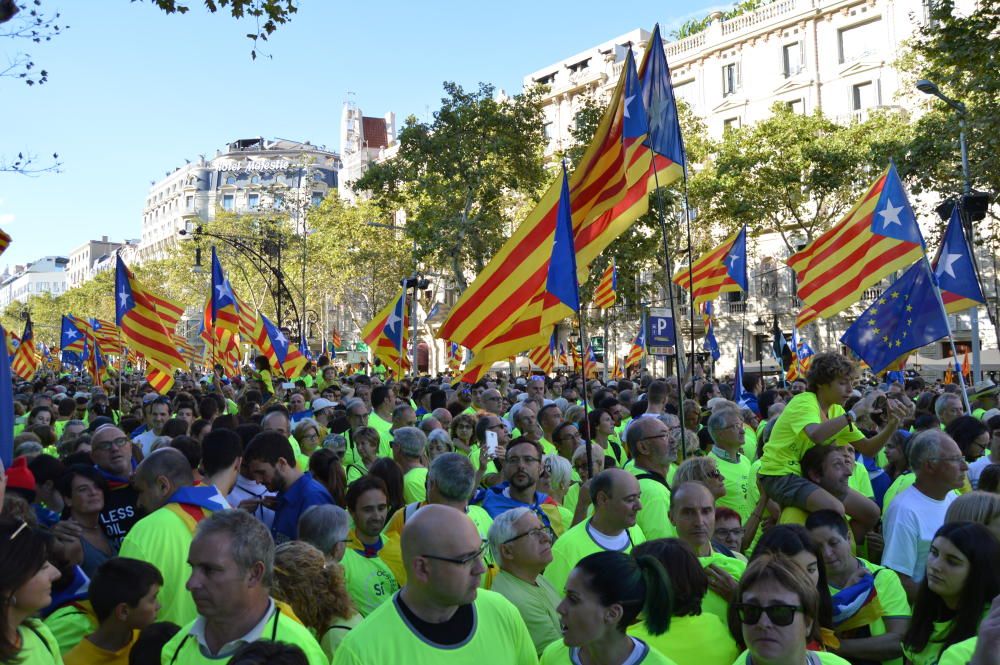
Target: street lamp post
column 930, row 88
column 760, row 325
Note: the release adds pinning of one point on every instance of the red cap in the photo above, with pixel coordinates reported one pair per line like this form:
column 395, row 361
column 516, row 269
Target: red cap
column 19, row 476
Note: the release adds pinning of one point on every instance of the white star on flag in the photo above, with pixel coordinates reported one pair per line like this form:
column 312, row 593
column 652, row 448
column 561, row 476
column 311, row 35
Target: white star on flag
column 71, row 333
column 223, row 291
column 732, row 260
column 123, row 295
column 890, row 214
column 392, row 320
column 281, row 339
column 628, row 103
column 946, row 264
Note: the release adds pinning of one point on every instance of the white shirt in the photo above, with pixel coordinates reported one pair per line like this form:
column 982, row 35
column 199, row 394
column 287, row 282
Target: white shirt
column 909, row 526
column 145, row 440
column 976, row 470
column 246, row 488
column 614, row 543
column 229, row 648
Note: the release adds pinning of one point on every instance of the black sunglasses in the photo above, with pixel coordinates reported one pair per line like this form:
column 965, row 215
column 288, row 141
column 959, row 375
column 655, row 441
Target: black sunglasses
column 464, row 561
column 779, row 615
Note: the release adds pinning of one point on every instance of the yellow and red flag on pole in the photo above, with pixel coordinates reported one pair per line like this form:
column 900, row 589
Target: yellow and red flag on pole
column 878, row 236
column 454, row 357
column 505, row 310
column 542, row 357
column 966, row 366
column 721, row 270
column 224, row 312
column 25, row 361
column 607, row 290
column 637, row 350
column 140, row 324
column 589, row 362
column 388, row 333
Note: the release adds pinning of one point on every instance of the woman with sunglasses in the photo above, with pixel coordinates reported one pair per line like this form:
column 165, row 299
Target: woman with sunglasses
column 26, row 579
column 955, row 594
column 775, row 614
column 605, row 594
column 703, row 470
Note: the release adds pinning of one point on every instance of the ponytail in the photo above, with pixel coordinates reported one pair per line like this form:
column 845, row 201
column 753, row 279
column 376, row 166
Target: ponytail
column 659, row 603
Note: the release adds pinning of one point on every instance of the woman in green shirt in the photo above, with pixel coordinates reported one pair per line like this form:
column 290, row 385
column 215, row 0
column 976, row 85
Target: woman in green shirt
column 605, row 594
column 961, row 581
column 26, row 579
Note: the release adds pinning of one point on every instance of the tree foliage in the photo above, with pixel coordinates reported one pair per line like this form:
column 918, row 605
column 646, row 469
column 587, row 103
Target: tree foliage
column 268, row 14
column 462, row 178
column 794, row 174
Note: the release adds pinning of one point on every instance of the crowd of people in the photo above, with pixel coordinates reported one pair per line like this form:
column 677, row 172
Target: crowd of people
column 361, row 520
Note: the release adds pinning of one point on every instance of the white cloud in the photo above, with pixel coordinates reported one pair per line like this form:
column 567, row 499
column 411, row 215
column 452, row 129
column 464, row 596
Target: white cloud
column 6, row 218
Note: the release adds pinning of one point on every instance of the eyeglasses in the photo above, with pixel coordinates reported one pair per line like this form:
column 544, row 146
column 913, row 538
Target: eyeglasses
column 665, row 435
column 105, row 446
column 957, row 459
column 515, row 461
column 464, row 561
column 541, row 534
column 729, row 533
column 779, row 615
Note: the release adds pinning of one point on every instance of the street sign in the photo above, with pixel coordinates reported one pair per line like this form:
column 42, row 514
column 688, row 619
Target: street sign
column 659, row 331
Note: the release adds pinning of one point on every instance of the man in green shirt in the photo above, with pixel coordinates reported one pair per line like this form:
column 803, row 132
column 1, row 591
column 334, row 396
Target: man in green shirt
column 440, row 616
column 522, row 547
column 383, row 402
column 726, row 429
column 409, row 445
column 654, row 450
column 370, row 581
column 615, row 494
column 232, row 565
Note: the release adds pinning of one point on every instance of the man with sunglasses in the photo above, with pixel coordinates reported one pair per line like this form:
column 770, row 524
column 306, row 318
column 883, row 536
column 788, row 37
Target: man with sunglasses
column 440, row 616
column 522, row 547
column 654, row 451
column 111, row 452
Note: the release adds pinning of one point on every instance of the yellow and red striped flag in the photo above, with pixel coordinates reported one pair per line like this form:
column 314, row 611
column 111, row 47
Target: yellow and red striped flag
column 388, row 332
column 966, row 366
column 454, row 357
column 563, row 358
column 140, row 324
column 575, row 356
column 637, row 351
column 607, row 291
column 107, row 335
column 170, row 311
column 505, row 310
column 878, row 236
column 25, row 361
column 720, row 270
column 589, row 362
column 159, row 380
column 223, row 312
column 542, row 357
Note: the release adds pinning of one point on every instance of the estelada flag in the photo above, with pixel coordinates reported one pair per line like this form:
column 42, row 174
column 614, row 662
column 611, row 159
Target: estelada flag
column 878, row 236
column 607, row 290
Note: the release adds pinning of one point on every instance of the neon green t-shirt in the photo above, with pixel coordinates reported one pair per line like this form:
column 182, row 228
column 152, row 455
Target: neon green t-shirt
column 931, row 652
column 902, row 481
column 861, row 482
column 38, row 645
column 548, row 448
column 959, row 653
column 653, row 518
column 163, row 539
column 370, row 582
column 558, row 653
column 702, row 639
column 789, row 441
column 713, row 603
column 184, row 648
column 415, row 485
column 499, row 638
column 384, row 429
column 737, row 478
column 71, row 623
column 891, row 596
column 812, row 657
column 575, row 544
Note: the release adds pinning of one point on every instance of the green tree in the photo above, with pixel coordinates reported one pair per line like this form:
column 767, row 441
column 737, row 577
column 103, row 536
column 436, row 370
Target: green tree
column 794, row 174
column 462, row 178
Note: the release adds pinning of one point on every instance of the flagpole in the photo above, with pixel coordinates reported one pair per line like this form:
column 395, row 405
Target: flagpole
column 586, row 401
column 690, row 251
column 678, row 346
column 605, row 345
column 951, row 339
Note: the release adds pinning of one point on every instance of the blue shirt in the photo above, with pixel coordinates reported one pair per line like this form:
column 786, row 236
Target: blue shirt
column 296, row 417
column 496, row 500
column 303, row 493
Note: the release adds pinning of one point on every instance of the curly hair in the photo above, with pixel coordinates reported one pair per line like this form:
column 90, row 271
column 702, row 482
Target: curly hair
column 828, row 367
column 313, row 586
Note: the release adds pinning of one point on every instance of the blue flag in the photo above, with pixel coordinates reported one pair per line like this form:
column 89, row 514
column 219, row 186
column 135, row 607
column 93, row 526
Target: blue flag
column 905, row 317
column 893, row 216
column 304, row 346
column 394, row 323
column 736, row 260
column 279, row 340
column 635, row 123
column 658, row 97
column 711, row 344
column 70, row 339
column 739, row 396
column 6, row 404
column 222, row 292
column 561, row 281
column 954, row 269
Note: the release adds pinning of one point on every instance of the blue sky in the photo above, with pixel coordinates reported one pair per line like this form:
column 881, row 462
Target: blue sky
column 132, row 92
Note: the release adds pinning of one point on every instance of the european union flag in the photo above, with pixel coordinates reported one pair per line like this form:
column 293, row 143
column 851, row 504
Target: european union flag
column 6, row 406
column 893, row 216
column 905, row 317
column 658, row 97
column 635, row 124
column 561, row 280
column 736, row 260
column 954, row 269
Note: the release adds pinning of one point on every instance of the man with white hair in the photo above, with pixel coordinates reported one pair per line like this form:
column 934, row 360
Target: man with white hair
column 522, row 548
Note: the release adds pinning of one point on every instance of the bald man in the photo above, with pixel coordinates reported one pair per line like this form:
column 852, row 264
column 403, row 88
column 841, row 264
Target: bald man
column 441, row 615
column 111, row 452
column 173, row 507
column 616, row 497
column 692, row 512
